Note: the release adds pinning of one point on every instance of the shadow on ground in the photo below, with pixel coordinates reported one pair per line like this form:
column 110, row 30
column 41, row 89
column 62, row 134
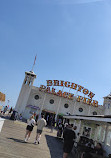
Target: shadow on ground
column 55, row 146
column 17, row 140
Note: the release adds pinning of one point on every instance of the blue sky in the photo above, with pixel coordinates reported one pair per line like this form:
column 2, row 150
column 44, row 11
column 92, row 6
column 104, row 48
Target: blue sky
column 72, row 40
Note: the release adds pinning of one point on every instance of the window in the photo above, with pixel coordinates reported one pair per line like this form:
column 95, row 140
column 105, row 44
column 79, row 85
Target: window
column 86, row 131
column 108, row 142
column 51, row 101
column 99, row 133
column 36, row 97
column 94, row 113
column 32, row 111
column 103, row 135
column 80, row 109
column 66, row 105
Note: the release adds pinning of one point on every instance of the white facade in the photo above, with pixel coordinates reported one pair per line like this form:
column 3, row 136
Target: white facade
column 31, row 99
column 25, row 92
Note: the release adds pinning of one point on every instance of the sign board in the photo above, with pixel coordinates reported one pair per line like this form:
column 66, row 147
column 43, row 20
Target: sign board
column 2, row 97
column 52, row 83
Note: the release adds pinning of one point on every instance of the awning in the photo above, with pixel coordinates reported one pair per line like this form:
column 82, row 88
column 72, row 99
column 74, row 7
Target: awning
column 100, row 119
column 33, row 107
column 48, row 111
column 61, row 114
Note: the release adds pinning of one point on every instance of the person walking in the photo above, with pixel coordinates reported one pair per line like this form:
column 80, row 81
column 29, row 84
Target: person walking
column 5, row 109
column 36, row 118
column 29, row 128
column 41, row 123
column 69, row 136
column 60, row 129
column 10, row 111
column 52, row 123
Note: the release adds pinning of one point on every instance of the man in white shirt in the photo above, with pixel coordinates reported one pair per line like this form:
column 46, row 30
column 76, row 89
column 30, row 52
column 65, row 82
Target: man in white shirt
column 41, row 123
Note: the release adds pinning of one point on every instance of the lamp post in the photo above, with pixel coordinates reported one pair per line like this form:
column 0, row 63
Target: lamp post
column 8, row 103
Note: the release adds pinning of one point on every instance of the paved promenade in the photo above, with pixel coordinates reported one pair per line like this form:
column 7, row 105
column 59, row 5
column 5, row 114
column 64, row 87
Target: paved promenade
column 12, row 143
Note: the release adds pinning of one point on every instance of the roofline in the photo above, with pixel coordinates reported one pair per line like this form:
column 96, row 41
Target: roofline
column 101, row 116
column 90, row 118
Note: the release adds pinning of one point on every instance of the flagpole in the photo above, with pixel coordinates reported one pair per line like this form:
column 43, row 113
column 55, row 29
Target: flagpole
column 32, row 68
column 34, row 62
column 8, row 102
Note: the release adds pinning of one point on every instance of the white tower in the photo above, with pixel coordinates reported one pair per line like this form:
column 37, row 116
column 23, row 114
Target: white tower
column 25, row 92
column 107, row 105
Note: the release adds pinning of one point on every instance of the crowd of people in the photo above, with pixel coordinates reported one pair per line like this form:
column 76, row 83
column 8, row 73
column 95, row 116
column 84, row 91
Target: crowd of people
column 11, row 113
column 64, row 130
column 86, row 147
column 3, row 111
